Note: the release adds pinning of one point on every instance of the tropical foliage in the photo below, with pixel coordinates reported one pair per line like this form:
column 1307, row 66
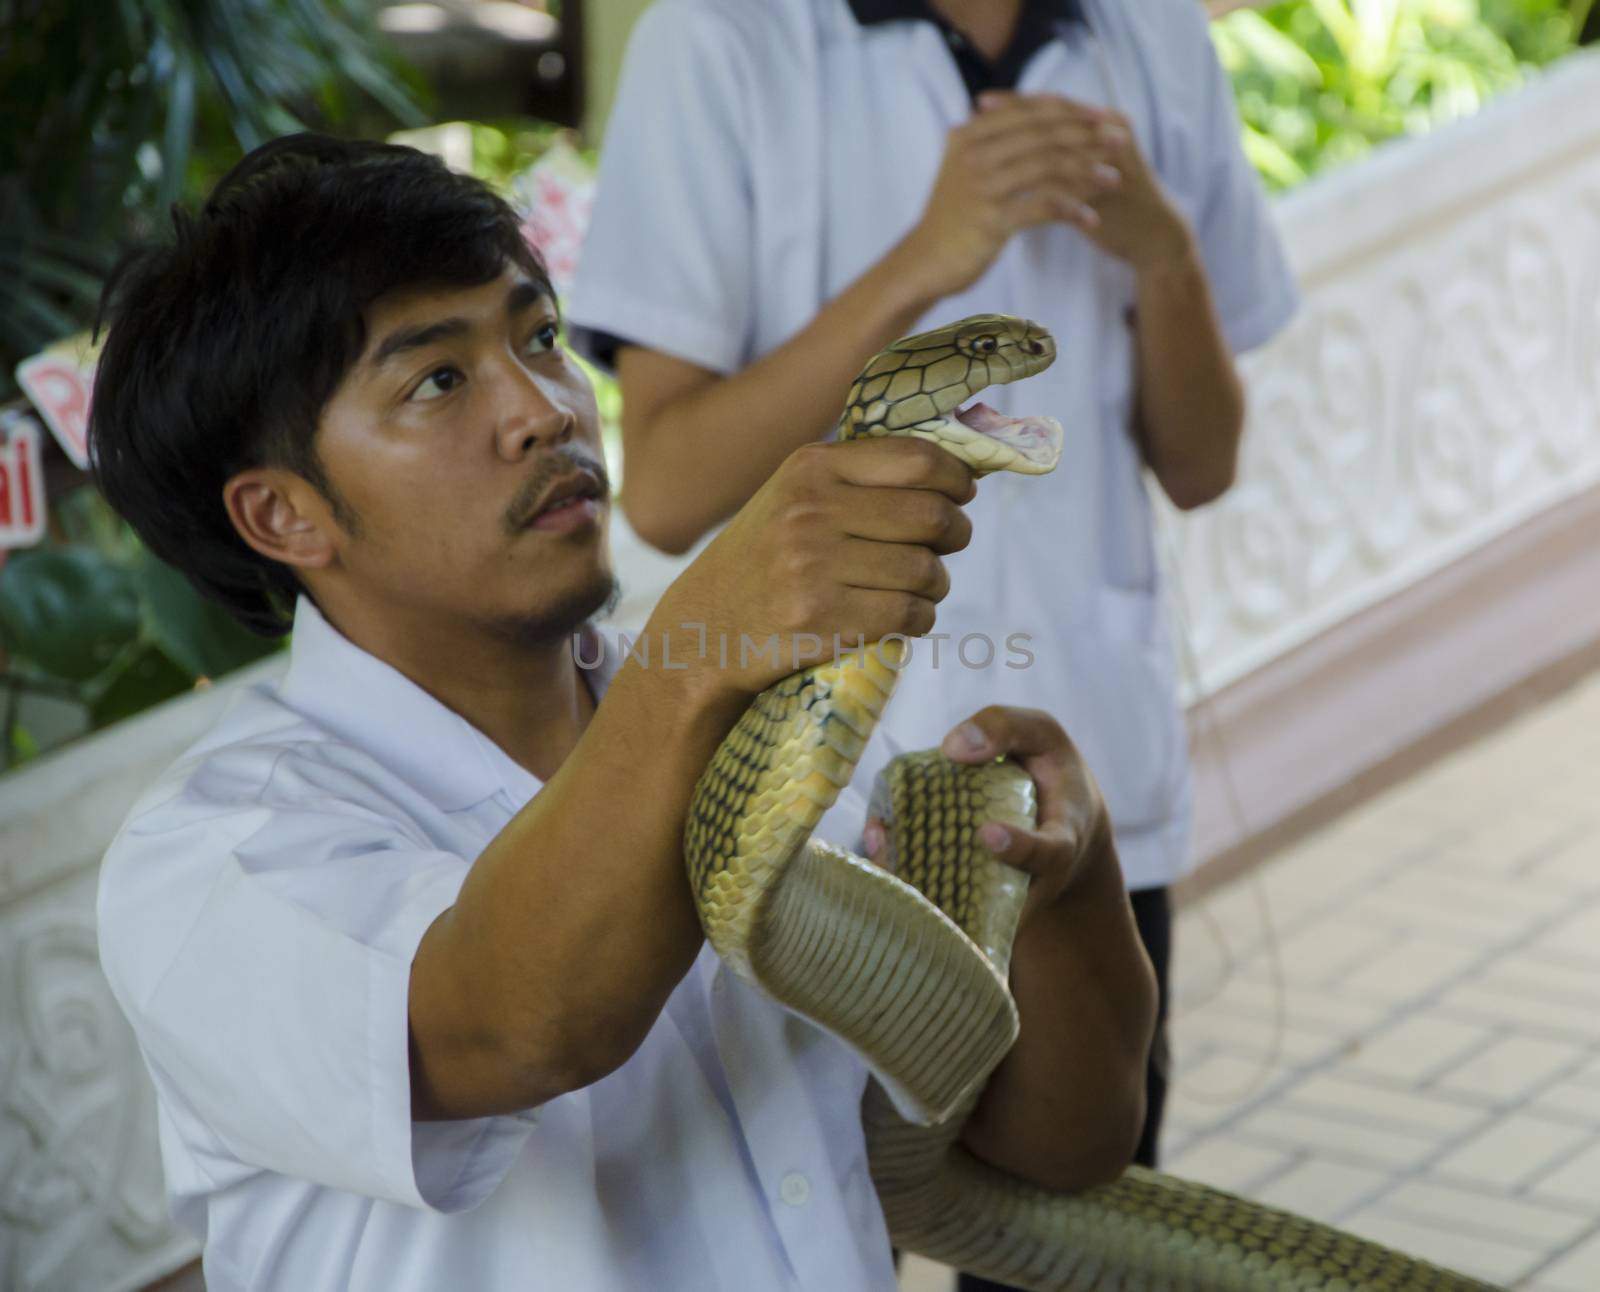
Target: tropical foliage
column 114, row 109
column 1321, row 82
column 98, row 625
column 109, row 111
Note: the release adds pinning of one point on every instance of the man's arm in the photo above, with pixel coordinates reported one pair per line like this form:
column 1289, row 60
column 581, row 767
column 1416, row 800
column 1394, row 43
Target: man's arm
column 575, row 924
column 697, row 444
column 1065, row 1107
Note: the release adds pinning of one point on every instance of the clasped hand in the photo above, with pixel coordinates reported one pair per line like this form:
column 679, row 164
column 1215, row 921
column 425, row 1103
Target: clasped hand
column 1030, row 159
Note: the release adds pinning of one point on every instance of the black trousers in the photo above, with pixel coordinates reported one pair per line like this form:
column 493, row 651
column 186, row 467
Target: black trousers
column 1153, row 914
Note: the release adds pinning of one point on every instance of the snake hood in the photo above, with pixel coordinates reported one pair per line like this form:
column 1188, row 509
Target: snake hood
column 917, row 387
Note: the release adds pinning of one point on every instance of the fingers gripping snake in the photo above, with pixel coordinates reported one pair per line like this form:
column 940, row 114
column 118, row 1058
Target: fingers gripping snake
column 907, row 963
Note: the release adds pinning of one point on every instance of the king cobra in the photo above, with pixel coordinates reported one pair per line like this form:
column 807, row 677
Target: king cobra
column 907, row 962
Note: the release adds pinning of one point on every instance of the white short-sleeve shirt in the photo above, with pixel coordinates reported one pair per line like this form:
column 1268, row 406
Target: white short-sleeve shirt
column 763, row 153
column 259, row 912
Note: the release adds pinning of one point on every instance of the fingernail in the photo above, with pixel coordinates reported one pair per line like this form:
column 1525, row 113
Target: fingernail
column 1107, row 176
column 1085, row 216
column 873, row 839
column 969, row 739
column 994, row 836
column 1113, row 134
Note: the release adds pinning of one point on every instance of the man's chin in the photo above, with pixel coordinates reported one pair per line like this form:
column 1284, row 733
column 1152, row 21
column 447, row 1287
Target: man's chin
column 559, row 619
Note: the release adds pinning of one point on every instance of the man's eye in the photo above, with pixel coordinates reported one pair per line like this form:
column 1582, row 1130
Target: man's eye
column 545, row 337
column 437, row 383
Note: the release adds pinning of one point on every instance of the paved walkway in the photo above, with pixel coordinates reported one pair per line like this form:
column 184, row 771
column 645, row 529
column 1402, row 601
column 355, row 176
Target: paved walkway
column 1395, row 1025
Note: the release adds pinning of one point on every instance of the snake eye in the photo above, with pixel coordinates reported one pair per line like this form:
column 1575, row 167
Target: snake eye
column 985, row 345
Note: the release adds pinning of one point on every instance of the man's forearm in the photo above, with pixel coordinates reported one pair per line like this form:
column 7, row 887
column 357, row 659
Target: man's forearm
column 575, row 924
column 1190, row 401
column 1065, row 1107
column 694, row 460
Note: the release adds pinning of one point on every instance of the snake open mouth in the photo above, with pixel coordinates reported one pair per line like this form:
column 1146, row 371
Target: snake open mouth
column 1036, row 440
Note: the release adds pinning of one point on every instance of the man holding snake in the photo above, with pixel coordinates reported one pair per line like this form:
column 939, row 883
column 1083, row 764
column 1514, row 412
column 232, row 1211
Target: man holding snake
column 406, row 941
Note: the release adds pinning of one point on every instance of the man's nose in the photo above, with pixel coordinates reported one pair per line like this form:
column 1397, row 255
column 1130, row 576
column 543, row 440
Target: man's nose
column 530, row 418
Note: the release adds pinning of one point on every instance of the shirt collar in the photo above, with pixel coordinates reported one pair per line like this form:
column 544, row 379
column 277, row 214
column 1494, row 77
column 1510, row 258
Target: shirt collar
column 1038, row 24
column 375, row 707
column 1034, row 12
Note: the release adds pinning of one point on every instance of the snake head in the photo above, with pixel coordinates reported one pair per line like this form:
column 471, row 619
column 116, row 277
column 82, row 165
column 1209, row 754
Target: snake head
column 1022, row 345
column 920, row 385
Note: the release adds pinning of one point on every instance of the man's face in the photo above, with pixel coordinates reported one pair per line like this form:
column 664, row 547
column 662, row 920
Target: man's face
column 467, row 445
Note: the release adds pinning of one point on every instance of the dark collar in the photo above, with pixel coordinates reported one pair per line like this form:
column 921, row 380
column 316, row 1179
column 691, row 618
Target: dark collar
column 870, row 11
column 1037, row 25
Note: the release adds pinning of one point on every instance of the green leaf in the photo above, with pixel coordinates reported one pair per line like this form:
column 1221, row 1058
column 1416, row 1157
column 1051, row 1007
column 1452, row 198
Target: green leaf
column 85, row 518
column 1270, row 159
column 146, row 679
column 23, row 746
column 1274, row 53
column 196, row 634
column 67, row 610
column 178, row 134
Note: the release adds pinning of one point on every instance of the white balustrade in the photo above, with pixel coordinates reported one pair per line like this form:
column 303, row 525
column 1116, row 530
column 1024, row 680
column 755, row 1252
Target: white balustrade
column 1440, row 385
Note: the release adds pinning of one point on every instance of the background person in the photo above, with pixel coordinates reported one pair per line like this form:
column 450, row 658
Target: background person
column 787, row 185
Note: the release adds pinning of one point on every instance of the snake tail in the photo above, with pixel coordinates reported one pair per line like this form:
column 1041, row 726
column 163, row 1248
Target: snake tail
column 1147, row 1232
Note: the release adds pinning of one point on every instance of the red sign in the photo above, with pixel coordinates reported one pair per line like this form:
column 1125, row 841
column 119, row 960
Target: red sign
column 58, row 383
column 21, row 482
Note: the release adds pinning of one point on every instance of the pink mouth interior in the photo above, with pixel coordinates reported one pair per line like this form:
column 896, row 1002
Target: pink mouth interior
column 1033, row 437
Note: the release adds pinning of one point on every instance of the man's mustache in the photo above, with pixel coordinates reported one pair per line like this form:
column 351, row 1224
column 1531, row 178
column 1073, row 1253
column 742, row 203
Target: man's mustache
column 554, row 464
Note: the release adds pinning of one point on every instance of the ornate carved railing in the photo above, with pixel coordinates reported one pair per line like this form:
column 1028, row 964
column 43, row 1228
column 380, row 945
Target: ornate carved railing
column 81, row 1201
column 1440, row 386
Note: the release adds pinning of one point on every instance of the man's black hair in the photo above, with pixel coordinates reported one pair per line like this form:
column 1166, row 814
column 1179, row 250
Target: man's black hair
column 226, row 344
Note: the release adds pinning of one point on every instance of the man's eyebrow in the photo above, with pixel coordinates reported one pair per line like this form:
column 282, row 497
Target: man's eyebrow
column 523, row 296
column 526, row 294
column 414, row 338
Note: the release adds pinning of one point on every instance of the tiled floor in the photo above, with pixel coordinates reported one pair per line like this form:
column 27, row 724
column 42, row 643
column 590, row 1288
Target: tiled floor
column 1395, row 1025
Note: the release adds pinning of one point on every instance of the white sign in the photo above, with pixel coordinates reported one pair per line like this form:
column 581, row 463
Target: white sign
column 58, row 382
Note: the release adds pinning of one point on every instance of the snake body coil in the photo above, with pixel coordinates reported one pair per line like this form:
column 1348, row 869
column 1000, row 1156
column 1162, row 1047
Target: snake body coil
column 907, row 963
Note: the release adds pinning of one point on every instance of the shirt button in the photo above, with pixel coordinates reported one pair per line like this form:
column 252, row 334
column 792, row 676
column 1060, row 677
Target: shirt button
column 795, row 1189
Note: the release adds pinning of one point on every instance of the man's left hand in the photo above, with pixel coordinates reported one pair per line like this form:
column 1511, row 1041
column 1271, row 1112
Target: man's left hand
column 1134, row 220
column 1073, row 825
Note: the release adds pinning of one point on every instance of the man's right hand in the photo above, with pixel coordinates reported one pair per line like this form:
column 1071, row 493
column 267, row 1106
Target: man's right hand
column 842, row 539
column 1027, row 160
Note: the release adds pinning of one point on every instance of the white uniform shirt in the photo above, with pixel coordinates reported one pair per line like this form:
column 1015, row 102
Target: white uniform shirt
column 259, row 912
column 763, row 153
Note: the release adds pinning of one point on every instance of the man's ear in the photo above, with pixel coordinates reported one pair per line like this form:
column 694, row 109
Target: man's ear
column 283, row 516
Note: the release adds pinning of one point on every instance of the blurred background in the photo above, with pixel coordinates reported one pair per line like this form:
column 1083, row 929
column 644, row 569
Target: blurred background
column 1391, row 626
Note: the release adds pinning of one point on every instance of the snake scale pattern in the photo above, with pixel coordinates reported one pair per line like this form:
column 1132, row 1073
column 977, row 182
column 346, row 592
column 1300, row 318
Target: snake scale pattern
column 907, row 962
